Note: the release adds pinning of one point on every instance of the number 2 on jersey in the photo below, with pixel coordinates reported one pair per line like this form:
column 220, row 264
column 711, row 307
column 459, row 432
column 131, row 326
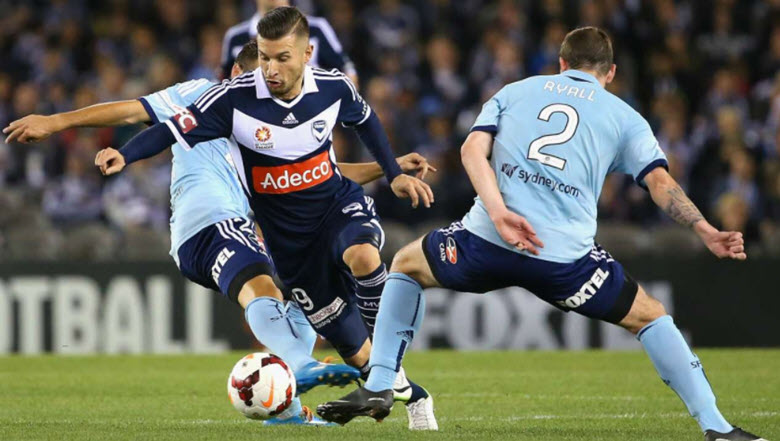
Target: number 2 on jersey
column 535, row 149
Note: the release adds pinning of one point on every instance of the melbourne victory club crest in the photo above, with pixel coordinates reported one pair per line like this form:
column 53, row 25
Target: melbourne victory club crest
column 319, row 129
column 263, row 138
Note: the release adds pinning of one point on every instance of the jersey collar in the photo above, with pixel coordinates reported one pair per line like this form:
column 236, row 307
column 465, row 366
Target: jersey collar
column 309, row 86
column 580, row 75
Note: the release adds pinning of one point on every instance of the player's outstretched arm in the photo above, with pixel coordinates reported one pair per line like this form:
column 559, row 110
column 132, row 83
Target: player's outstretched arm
column 668, row 195
column 144, row 145
column 512, row 227
column 36, row 128
column 363, row 173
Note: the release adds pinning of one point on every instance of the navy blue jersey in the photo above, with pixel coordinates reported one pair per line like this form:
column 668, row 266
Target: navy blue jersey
column 282, row 150
column 328, row 53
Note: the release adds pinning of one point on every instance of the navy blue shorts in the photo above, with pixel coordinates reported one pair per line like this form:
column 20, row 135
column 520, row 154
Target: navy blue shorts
column 595, row 285
column 315, row 274
column 224, row 256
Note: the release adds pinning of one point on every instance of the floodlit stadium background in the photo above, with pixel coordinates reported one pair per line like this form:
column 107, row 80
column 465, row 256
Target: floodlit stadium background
column 84, row 264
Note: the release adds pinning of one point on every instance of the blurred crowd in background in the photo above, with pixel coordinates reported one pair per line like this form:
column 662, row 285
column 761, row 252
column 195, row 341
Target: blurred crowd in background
column 703, row 72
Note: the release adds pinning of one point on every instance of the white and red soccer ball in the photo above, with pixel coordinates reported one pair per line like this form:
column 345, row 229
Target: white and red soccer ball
column 261, row 386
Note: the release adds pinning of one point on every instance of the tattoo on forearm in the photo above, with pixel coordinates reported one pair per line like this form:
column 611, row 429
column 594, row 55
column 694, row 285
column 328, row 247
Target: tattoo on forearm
column 681, row 209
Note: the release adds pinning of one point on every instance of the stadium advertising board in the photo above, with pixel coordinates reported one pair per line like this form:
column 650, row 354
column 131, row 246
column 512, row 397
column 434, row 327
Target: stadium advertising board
column 149, row 308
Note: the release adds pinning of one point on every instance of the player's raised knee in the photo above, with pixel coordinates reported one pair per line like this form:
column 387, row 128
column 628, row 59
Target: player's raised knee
column 362, row 259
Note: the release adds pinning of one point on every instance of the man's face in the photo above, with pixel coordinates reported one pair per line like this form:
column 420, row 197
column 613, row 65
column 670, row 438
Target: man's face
column 282, row 62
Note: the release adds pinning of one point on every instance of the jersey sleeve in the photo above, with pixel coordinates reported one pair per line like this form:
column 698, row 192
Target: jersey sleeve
column 639, row 151
column 163, row 104
column 487, row 120
column 354, row 109
column 156, row 105
column 209, row 117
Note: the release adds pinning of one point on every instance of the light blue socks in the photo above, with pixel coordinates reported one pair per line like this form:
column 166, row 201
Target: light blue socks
column 400, row 316
column 304, row 329
column 681, row 370
column 272, row 327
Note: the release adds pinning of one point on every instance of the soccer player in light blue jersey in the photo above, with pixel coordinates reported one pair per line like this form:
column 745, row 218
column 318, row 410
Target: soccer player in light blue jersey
column 537, row 156
column 213, row 240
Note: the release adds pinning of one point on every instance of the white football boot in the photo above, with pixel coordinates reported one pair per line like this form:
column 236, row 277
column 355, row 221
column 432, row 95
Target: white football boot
column 420, row 413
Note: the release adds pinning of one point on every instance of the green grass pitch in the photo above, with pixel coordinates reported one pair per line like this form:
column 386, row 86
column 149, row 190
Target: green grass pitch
column 479, row 395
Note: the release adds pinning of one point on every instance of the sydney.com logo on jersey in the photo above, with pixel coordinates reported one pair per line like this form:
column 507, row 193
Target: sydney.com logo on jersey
column 535, row 178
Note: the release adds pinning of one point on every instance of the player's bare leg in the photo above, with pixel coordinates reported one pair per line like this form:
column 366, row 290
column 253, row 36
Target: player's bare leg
column 400, row 315
column 644, row 311
column 410, row 260
column 260, row 286
column 678, row 366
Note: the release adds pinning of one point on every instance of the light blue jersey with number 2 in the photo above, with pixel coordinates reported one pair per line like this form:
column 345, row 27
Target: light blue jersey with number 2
column 205, row 188
column 556, row 139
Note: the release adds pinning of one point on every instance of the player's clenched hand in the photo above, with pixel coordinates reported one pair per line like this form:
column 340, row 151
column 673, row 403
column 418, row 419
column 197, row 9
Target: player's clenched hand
column 31, row 128
column 405, row 186
column 724, row 244
column 415, row 162
column 516, row 231
column 110, row 161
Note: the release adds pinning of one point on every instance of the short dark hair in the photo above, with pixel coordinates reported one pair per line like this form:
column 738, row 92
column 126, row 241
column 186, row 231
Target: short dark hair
column 247, row 58
column 589, row 48
column 282, row 21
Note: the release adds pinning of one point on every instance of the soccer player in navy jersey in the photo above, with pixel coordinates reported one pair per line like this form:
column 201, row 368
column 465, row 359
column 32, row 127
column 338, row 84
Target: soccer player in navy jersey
column 212, row 237
column 537, row 156
column 322, row 231
column 327, row 52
